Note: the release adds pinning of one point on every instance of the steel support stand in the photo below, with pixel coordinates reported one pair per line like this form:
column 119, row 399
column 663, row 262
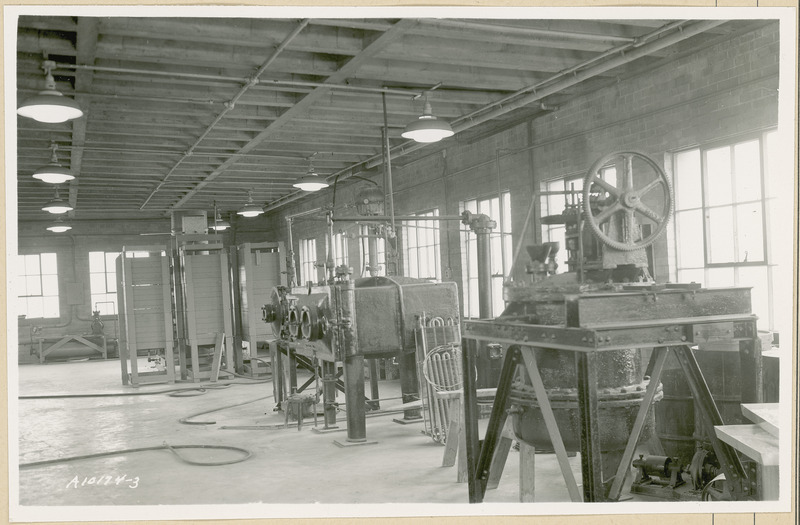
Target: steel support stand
column 735, row 476
column 479, row 455
column 375, row 403
column 591, row 460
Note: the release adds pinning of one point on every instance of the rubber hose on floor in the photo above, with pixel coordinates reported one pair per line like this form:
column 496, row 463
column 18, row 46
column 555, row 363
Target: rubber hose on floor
column 203, row 389
column 185, row 420
column 172, row 448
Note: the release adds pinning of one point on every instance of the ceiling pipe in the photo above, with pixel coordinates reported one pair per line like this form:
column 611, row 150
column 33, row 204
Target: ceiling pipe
column 524, row 31
column 230, row 105
column 238, row 80
column 463, row 124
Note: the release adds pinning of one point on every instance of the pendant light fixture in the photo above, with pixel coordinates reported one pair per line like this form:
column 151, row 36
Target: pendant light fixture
column 59, row 226
column 218, row 224
column 57, row 206
column 53, row 173
column 311, row 181
column 50, row 105
column 250, row 209
column 427, row 128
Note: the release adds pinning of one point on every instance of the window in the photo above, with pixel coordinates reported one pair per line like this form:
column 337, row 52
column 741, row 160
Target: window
column 366, row 232
column 723, row 197
column 339, row 252
column 556, row 196
column 103, row 282
column 500, row 249
column 308, row 261
column 421, row 247
column 37, row 286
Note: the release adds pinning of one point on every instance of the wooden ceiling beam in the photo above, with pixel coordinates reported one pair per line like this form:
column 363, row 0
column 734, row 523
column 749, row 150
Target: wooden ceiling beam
column 86, row 45
column 372, row 47
column 256, row 33
column 402, row 71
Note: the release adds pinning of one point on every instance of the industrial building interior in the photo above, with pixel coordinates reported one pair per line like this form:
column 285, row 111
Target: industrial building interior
column 271, row 257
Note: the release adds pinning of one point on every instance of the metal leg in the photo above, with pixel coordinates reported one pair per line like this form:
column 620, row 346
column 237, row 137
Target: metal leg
column 591, row 460
column 408, row 385
column 375, row 404
column 354, row 397
column 709, row 416
column 292, row 372
column 329, row 393
column 470, row 402
column 497, row 419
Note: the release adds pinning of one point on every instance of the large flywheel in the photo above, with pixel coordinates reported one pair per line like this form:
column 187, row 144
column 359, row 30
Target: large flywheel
column 641, row 191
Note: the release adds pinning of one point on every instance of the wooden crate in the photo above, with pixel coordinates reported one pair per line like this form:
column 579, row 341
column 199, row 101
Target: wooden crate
column 145, row 312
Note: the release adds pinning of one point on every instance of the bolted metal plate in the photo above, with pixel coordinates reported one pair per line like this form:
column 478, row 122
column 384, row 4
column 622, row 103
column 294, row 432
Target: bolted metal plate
column 612, row 308
column 532, row 335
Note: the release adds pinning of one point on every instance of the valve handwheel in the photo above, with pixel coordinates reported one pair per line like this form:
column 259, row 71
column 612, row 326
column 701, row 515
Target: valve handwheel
column 628, row 199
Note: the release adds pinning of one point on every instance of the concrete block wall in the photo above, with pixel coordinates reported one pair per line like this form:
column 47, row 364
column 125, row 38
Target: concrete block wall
column 722, row 91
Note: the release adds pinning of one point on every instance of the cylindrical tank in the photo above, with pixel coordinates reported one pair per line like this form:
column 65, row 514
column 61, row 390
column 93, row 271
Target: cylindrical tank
column 621, row 388
column 675, row 415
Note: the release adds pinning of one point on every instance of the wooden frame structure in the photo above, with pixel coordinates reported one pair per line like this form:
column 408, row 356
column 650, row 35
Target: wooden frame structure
column 261, row 268
column 204, row 312
column 144, row 299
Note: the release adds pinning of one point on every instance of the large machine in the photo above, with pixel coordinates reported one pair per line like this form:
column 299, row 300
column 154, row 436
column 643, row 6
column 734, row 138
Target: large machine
column 585, row 351
column 346, row 321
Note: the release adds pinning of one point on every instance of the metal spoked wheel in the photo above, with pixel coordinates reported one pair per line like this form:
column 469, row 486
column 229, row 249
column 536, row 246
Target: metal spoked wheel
column 603, row 200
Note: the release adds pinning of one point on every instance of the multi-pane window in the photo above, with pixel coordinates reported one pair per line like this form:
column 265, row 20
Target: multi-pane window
column 380, row 243
column 339, row 249
column 421, row 247
column 37, row 286
column 723, row 199
column 103, row 282
column 498, row 210
column 308, row 261
column 555, row 197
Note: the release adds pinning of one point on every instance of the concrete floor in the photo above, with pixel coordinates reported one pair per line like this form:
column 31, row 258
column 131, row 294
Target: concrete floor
column 287, row 465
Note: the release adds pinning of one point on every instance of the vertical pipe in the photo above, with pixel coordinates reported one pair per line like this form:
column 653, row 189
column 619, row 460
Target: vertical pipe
column 329, row 249
column 387, row 163
column 290, row 266
column 484, row 273
column 372, row 249
column 501, row 214
column 353, row 364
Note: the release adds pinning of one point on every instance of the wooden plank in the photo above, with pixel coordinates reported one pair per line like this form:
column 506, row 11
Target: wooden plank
column 752, row 441
column 215, row 364
column 553, row 431
column 765, row 415
column 527, row 472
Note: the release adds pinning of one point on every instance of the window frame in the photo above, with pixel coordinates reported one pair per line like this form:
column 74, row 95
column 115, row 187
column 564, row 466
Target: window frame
column 23, row 273
column 469, row 248
column 708, row 268
column 434, row 247
column 308, row 266
column 107, row 269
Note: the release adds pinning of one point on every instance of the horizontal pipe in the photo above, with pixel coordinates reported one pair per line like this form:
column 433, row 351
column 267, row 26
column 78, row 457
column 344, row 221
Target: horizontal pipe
column 566, row 82
column 398, row 218
column 525, row 31
column 238, row 80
